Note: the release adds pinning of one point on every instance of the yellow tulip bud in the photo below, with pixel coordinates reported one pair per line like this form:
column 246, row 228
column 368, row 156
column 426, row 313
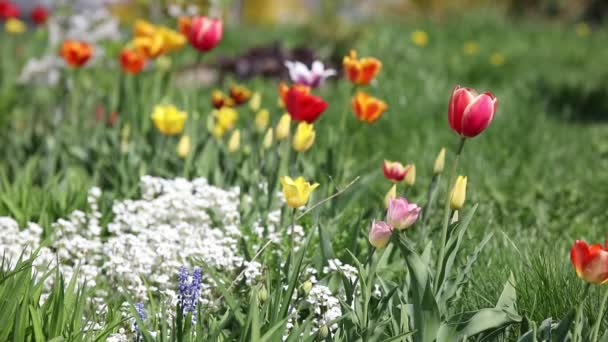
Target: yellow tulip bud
column 391, row 194
column 297, row 192
column 304, row 137
column 459, row 193
column 439, row 162
column 410, row 177
column 261, row 120
column 183, row 147
column 235, row 141
column 15, row 26
column 263, row 294
column 283, row 127
column 267, row 143
column 255, row 102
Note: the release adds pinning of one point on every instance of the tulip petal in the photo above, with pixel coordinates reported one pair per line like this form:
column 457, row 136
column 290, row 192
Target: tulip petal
column 478, row 115
column 578, row 255
column 461, row 98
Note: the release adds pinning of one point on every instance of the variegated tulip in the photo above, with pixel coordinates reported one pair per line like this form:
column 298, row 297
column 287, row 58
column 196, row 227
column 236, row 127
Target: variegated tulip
column 590, row 262
column 394, row 171
column 470, row 113
column 380, row 234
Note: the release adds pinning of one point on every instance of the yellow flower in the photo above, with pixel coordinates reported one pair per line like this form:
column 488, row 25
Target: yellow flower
column 267, row 143
column 143, row 28
column 391, row 194
column 410, row 177
column 261, row 120
column 168, row 119
column 420, row 38
column 459, row 193
column 255, row 102
column 296, row 192
column 583, row 29
column 304, row 137
column 172, row 40
column 226, row 118
column 439, row 162
column 15, row 26
column 283, row 127
column 150, row 47
column 235, row 141
column 183, row 147
column 497, row 59
column 218, row 131
column 470, row 48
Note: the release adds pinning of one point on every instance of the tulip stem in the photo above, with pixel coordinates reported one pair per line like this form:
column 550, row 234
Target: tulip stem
column 291, row 228
column 446, row 216
column 600, row 316
column 579, row 311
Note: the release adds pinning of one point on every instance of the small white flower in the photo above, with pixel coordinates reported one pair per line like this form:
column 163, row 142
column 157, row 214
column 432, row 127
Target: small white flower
column 313, row 77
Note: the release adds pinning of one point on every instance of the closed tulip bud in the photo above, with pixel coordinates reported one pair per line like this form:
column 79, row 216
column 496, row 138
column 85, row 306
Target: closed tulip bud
column 283, row 127
column 255, row 102
column 459, row 193
column 304, row 137
column 267, row 143
column 263, row 294
column 401, row 214
column 590, row 262
column 297, row 191
column 205, row 33
column 183, row 147
column 470, row 113
column 235, row 141
column 323, row 332
column 439, row 162
column 261, row 120
column 410, row 177
column 380, row 234
column 392, row 193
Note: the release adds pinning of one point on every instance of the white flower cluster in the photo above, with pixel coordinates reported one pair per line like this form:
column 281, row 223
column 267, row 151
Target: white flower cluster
column 325, row 306
column 336, row 266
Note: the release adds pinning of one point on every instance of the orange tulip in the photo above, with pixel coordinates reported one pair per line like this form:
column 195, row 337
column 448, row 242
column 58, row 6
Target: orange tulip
column 132, row 61
column 590, row 262
column 368, row 108
column 184, row 24
column 360, row 71
column 76, row 53
column 239, row 94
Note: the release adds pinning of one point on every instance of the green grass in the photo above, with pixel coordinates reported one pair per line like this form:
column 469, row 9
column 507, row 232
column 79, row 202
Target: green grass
column 538, row 172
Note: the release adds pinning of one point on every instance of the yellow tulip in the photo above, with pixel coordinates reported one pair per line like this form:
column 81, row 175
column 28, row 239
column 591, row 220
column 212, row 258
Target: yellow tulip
column 296, row 192
column 150, row 47
column 172, row 40
column 143, row 28
column 304, row 137
column 235, row 141
column 420, row 38
column 410, row 177
column 183, row 147
column 459, row 193
column 261, row 120
column 226, row 118
column 15, row 26
column 391, row 194
column 439, row 162
column 267, row 143
column 168, row 119
column 218, row 131
column 255, row 102
column 283, row 127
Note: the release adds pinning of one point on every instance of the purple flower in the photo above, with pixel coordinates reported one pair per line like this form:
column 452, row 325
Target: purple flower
column 313, row 77
column 401, row 214
column 380, row 234
column 189, row 289
column 139, row 308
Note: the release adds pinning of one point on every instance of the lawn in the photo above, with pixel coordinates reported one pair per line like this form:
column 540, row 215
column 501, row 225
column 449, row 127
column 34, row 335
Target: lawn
column 102, row 198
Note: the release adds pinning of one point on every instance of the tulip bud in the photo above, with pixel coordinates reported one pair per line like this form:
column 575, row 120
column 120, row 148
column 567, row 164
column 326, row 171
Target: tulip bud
column 304, row 137
column 283, row 127
column 380, row 234
column 410, row 177
column 323, row 332
column 267, row 143
column 255, row 102
column 455, row 217
column 439, row 162
column 263, row 294
column 401, row 214
column 469, row 113
column 261, row 120
column 459, row 193
column 183, row 147
column 392, row 193
column 235, row 141
column 205, row 33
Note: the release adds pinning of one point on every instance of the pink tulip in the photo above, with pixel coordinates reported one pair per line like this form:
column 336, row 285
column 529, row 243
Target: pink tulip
column 205, row 33
column 469, row 113
column 380, row 234
column 401, row 214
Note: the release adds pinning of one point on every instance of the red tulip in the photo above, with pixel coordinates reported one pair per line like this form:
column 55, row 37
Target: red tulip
column 590, row 262
column 303, row 106
column 9, row 10
column 205, row 33
column 469, row 113
column 39, row 14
